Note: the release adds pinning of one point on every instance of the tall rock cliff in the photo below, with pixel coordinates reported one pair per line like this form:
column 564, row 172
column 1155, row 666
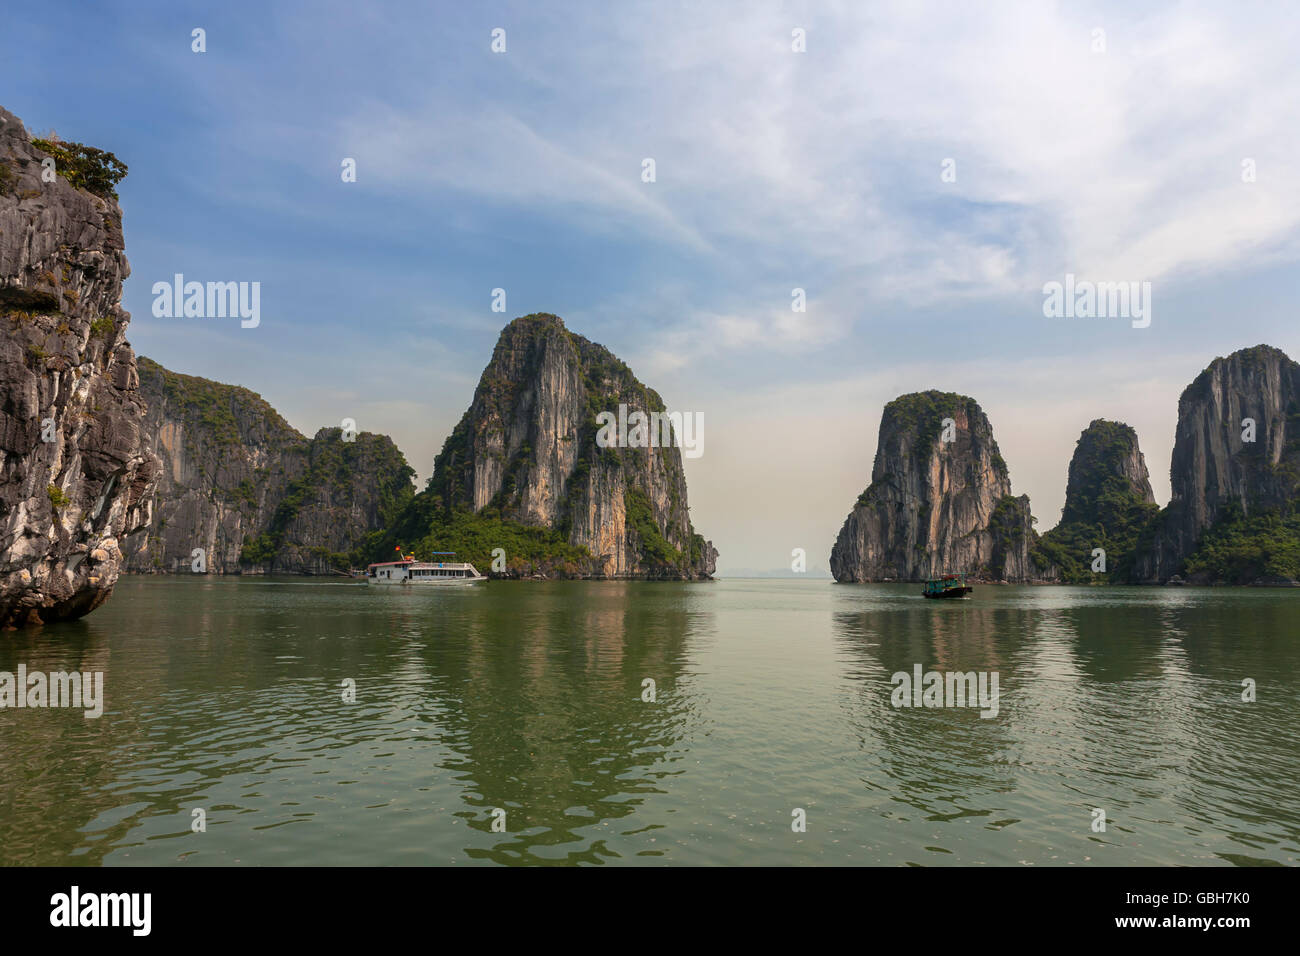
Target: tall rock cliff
column 939, row 501
column 1108, row 503
column 349, row 492
column 1220, row 477
column 1107, row 470
column 525, row 456
column 75, row 476
column 254, row 495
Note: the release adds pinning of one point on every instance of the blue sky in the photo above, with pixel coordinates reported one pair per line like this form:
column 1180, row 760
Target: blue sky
column 775, row 170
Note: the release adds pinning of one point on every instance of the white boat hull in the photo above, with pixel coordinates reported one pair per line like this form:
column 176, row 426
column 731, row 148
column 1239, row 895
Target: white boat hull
column 410, row 573
column 437, row 583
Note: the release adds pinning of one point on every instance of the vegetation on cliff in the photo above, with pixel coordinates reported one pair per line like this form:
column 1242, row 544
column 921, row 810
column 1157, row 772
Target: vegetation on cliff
column 1104, row 508
column 211, row 409
column 541, row 528
column 1263, row 543
column 1259, row 542
column 1240, row 549
column 425, row 529
column 922, row 414
column 427, row 525
column 640, row 518
column 255, row 493
column 86, row 167
column 330, row 486
column 1069, row 546
column 1235, row 475
column 241, row 481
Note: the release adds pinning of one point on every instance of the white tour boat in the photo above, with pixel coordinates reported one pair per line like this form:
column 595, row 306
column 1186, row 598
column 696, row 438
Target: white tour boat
column 409, row 571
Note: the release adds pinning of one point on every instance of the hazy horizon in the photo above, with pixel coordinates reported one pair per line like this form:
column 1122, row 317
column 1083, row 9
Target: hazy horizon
column 921, row 172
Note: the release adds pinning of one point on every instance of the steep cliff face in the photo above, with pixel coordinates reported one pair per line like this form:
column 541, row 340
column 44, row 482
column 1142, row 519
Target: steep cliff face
column 75, row 476
column 349, row 493
column 227, row 458
column 526, row 454
column 1108, row 503
column 1106, row 471
column 1216, row 474
column 252, row 493
column 939, row 502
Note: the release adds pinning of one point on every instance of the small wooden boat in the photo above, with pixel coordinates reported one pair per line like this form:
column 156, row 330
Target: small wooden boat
column 947, row 586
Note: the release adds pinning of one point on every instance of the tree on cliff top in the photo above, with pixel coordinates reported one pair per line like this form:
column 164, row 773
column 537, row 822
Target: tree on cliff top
column 94, row 170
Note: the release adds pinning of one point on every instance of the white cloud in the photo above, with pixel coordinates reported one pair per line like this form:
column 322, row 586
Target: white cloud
column 819, row 170
column 1120, row 165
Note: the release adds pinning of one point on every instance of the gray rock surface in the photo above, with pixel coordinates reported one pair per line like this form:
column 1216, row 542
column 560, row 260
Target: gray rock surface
column 527, row 449
column 933, row 506
column 248, row 490
column 1212, row 468
column 67, row 374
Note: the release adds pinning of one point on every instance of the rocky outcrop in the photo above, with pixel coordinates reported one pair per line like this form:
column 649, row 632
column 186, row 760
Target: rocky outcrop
column 526, row 454
column 939, row 501
column 75, row 475
column 1013, row 538
column 1217, row 473
column 252, row 494
column 227, row 459
column 1107, row 468
column 353, row 488
column 1108, row 503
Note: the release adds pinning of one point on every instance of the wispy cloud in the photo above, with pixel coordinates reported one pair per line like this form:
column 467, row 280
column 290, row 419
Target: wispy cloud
column 775, row 170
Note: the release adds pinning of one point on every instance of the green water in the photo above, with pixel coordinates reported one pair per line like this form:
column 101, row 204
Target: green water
column 226, row 694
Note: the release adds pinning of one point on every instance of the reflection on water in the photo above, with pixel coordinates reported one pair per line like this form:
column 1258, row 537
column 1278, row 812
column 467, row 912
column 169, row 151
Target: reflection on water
column 1127, row 700
column 226, row 695
column 552, row 727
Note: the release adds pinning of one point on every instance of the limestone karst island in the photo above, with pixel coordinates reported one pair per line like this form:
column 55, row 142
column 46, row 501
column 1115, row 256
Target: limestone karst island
column 647, row 434
column 940, row 497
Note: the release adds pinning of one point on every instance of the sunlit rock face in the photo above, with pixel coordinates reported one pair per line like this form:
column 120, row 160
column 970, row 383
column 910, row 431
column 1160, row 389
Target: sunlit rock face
column 75, row 477
column 527, row 449
column 939, row 501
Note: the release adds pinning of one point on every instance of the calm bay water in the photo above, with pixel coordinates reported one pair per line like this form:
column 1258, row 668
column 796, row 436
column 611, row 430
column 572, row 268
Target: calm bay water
column 226, row 694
